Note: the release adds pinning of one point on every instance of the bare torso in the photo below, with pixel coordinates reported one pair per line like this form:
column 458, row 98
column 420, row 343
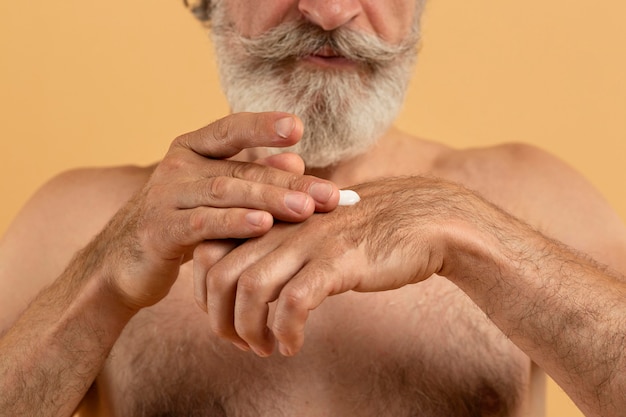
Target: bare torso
column 418, row 351
column 422, row 350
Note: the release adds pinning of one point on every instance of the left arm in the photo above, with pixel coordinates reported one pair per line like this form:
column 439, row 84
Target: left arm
column 564, row 310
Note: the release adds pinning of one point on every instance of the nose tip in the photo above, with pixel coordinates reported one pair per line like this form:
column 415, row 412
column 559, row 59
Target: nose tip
column 330, row 14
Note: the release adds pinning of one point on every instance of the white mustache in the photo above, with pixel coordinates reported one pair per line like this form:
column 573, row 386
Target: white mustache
column 293, row 40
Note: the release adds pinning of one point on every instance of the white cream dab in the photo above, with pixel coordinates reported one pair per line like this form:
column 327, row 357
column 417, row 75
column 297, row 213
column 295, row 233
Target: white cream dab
column 348, row 198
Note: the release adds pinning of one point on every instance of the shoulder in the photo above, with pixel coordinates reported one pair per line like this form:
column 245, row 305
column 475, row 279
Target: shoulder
column 520, row 177
column 82, row 200
column 58, row 220
column 547, row 193
column 511, row 163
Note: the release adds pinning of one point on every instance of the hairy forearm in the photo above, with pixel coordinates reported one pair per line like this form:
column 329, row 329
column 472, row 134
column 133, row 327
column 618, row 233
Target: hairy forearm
column 567, row 312
column 53, row 353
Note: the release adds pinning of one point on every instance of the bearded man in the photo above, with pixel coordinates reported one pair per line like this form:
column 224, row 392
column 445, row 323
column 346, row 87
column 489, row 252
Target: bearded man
column 443, row 303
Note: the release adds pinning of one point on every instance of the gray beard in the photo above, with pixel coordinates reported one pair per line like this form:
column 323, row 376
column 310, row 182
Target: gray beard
column 344, row 112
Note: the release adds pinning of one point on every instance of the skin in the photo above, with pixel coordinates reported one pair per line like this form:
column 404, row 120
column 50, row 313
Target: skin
column 145, row 242
column 485, row 253
column 390, row 20
column 76, row 292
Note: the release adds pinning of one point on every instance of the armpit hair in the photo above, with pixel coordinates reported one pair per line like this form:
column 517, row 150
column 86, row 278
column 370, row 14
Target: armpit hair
column 201, row 9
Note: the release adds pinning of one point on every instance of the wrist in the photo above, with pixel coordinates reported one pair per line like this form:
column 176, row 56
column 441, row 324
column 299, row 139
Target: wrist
column 93, row 292
column 477, row 248
column 119, row 271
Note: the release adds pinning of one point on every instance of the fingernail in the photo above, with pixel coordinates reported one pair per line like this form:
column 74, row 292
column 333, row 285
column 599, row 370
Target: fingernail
column 260, row 353
column 321, row 192
column 255, row 218
column 241, row 346
column 284, row 127
column 283, row 350
column 297, row 202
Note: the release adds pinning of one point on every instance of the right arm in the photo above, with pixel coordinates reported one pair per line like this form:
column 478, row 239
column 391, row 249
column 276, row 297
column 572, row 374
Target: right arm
column 50, row 356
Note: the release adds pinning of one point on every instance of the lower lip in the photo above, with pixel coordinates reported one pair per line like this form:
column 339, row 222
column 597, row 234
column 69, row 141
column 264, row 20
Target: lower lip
column 329, row 62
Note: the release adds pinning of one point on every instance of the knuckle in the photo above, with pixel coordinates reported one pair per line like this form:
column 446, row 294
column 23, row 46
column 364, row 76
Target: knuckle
column 216, row 281
column 204, row 254
column 293, row 298
column 222, row 224
column 209, row 253
column 268, row 175
column 218, row 188
column 222, row 128
column 248, row 171
column 249, row 284
column 299, row 182
column 198, row 222
column 181, row 141
column 230, row 223
column 173, row 162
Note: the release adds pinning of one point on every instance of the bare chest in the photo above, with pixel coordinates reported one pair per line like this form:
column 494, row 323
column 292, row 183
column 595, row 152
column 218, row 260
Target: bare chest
column 419, row 351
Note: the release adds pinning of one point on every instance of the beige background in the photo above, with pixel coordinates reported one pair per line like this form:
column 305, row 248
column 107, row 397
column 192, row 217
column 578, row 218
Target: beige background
column 113, row 82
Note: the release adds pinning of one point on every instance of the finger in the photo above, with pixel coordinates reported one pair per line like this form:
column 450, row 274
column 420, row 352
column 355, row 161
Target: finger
column 205, row 255
column 228, row 136
column 188, row 228
column 227, row 192
column 303, row 293
column 258, row 286
column 221, row 284
column 286, row 161
column 324, row 193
